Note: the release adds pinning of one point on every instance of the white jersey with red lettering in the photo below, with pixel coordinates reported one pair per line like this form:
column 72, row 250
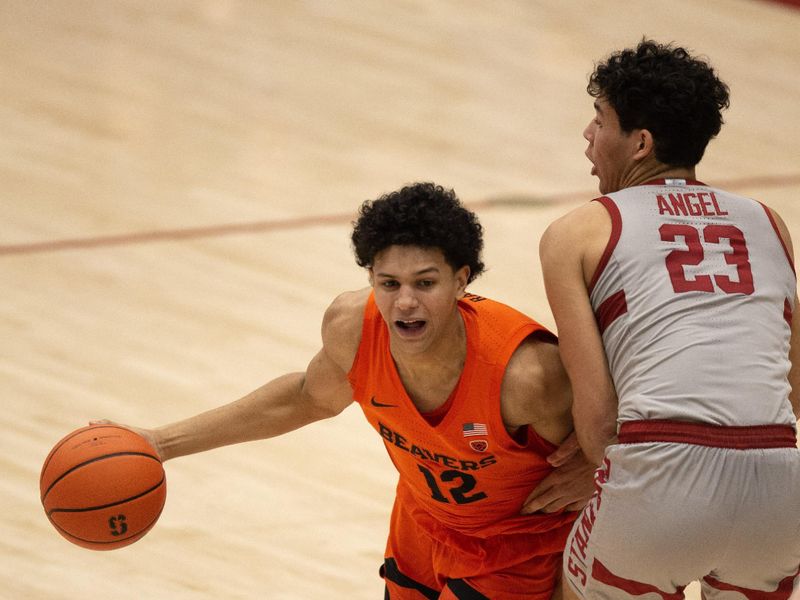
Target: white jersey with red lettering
column 694, row 297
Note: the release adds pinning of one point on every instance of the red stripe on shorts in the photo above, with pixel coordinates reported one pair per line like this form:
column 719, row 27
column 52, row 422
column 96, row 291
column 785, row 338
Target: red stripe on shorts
column 782, row 593
column 635, row 588
column 718, row 436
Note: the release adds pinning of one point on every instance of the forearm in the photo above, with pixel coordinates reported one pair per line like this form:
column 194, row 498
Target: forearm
column 596, row 437
column 275, row 408
column 595, row 415
column 594, row 412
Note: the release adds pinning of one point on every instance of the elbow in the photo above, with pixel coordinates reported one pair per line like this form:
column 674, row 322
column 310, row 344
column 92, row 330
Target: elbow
column 326, row 410
column 319, row 404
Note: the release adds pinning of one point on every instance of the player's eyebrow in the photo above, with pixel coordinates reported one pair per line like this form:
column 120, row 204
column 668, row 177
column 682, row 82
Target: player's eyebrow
column 426, row 271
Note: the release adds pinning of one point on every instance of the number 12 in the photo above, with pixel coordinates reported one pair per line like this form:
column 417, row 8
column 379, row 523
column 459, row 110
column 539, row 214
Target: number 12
column 459, row 493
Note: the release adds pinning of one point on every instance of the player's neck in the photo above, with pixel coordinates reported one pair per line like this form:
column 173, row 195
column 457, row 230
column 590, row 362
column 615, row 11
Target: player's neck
column 437, row 366
column 651, row 170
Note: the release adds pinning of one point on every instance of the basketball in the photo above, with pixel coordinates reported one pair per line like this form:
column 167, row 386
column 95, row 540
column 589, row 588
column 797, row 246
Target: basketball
column 103, row 487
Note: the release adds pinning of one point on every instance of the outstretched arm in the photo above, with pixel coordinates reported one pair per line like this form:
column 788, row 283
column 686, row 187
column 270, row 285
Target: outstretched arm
column 281, row 405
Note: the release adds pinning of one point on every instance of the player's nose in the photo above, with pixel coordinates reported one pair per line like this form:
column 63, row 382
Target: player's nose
column 588, row 131
column 406, row 300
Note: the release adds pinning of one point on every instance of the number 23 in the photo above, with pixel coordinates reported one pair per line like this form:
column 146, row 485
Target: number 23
column 693, row 256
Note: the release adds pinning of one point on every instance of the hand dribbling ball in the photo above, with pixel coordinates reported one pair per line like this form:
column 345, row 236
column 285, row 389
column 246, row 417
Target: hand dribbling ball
column 103, row 487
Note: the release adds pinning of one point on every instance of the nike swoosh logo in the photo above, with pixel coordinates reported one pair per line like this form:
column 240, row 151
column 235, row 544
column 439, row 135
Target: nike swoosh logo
column 381, row 404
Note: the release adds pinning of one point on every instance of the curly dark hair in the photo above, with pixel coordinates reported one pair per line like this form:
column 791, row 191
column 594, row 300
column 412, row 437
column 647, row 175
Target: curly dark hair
column 421, row 214
column 661, row 88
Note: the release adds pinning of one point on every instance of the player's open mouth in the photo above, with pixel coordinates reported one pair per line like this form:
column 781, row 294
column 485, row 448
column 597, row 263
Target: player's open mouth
column 410, row 327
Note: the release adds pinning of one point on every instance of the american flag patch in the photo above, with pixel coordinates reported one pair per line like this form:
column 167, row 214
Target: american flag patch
column 470, row 429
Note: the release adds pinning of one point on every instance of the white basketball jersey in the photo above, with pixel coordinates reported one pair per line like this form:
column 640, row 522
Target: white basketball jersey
column 694, row 297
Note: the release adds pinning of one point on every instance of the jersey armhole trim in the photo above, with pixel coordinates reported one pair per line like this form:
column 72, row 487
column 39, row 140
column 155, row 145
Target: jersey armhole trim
column 778, row 233
column 352, row 376
column 616, row 231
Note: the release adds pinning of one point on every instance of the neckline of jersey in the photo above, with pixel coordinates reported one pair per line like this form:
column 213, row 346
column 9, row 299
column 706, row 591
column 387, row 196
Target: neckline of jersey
column 664, row 180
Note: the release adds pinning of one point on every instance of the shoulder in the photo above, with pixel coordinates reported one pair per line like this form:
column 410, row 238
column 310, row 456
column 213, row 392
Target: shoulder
column 574, row 244
column 536, row 388
column 585, row 223
column 536, row 364
column 341, row 326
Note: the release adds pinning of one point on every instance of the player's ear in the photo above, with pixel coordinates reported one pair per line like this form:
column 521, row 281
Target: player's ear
column 371, row 276
column 645, row 144
column 462, row 278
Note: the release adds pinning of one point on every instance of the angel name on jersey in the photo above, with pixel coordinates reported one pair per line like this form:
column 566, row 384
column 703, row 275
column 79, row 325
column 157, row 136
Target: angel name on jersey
column 689, row 204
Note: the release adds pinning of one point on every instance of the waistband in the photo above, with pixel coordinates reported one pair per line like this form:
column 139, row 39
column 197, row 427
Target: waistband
column 738, row 437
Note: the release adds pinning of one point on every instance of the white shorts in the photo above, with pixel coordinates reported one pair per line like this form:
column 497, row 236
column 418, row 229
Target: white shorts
column 682, row 502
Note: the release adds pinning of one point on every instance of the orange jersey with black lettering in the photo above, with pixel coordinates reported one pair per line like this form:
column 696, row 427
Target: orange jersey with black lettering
column 466, row 472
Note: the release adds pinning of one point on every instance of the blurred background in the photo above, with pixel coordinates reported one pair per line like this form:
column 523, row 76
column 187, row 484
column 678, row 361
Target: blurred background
column 178, row 183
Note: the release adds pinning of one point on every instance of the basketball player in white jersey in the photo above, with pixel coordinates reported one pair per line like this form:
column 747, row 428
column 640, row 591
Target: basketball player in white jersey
column 674, row 301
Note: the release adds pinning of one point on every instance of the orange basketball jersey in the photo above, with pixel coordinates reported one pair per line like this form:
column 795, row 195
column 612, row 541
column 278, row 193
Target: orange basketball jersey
column 465, row 472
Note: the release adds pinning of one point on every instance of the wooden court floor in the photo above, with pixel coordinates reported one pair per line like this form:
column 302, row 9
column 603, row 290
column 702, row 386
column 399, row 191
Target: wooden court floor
column 178, row 181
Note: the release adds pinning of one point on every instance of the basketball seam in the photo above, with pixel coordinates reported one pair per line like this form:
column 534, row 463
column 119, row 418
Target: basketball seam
column 109, row 505
column 68, row 438
column 131, row 538
column 95, row 459
column 64, row 441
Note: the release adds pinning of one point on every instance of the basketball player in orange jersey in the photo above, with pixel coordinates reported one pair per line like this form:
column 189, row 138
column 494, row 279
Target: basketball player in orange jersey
column 674, row 303
column 467, row 394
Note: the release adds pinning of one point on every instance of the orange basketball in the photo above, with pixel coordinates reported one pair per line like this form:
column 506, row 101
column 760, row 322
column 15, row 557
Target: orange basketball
column 103, row 487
